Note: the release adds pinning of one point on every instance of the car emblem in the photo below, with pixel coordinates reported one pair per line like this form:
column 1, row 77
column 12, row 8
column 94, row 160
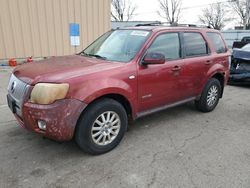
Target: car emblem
column 13, row 87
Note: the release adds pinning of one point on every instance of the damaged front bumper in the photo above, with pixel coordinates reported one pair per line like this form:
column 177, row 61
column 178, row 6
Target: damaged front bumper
column 56, row 121
column 59, row 118
column 243, row 77
column 240, row 72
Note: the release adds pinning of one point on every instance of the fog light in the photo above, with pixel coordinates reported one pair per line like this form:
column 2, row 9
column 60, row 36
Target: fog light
column 42, row 125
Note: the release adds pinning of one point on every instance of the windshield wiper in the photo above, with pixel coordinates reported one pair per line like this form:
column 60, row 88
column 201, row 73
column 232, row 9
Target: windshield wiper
column 97, row 56
column 94, row 55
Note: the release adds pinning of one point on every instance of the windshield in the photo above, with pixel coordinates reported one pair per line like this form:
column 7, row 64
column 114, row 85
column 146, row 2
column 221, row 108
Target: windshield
column 118, row 45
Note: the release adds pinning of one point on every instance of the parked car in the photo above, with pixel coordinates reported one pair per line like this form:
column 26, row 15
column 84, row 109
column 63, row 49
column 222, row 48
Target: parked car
column 243, row 42
column 240, row 66
column 125, row 74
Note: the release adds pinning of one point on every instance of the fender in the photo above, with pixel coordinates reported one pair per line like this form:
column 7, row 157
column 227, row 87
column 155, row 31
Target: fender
column 91, row 90
column 216, row 68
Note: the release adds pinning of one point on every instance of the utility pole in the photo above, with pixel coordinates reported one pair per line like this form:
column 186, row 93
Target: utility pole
column 247, row 14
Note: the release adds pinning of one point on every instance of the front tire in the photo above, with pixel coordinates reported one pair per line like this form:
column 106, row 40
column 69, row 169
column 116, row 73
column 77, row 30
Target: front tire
column 210, row 96
column 101, row 127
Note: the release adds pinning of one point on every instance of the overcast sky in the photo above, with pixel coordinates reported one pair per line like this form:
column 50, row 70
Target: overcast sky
column 146, row 10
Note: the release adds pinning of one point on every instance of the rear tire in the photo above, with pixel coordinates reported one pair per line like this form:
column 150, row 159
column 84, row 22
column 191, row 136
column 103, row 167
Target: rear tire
column 210, row 96
column 101, row 127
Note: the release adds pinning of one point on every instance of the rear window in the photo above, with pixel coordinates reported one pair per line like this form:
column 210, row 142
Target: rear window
column 195, row 45
column 217, row 42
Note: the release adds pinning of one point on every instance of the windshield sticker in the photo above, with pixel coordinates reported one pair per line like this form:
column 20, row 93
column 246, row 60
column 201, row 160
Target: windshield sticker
column 140, row 33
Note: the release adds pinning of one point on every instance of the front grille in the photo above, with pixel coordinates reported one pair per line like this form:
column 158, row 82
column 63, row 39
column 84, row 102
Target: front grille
column 19, row 87
column 17, row 90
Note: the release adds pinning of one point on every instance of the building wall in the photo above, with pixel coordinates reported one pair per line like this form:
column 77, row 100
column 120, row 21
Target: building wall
column 40, row 28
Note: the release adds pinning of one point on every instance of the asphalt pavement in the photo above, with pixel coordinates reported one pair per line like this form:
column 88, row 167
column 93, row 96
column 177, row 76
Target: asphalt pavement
column 178, row 147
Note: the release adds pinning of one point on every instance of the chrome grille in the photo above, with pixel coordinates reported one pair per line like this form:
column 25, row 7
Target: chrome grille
column 17, row 89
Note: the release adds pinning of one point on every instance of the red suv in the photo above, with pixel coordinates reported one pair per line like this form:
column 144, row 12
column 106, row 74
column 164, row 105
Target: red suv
column 125, row 74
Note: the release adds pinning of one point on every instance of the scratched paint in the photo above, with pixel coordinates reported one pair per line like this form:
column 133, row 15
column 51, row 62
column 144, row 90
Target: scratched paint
column 61, row 118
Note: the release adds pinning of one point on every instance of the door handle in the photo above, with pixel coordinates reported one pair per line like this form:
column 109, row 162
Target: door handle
column 208, row 62
column 176, row 68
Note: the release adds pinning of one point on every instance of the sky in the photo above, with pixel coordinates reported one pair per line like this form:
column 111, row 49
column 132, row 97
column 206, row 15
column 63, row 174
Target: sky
column 146, row 11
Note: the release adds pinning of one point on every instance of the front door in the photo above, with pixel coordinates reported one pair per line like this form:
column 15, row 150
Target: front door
column 158, row 85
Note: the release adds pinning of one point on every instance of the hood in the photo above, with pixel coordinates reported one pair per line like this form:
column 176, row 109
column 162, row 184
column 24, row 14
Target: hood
column 241, row 54
column 59, row 69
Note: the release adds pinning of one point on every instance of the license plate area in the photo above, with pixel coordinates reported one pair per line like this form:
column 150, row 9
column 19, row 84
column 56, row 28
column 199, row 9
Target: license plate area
column 11, row 104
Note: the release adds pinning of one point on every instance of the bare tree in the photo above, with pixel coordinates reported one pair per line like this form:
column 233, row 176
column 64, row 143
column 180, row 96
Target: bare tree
column 214, row 16
column 122, row 10
column 170, row 10
column 241, row 7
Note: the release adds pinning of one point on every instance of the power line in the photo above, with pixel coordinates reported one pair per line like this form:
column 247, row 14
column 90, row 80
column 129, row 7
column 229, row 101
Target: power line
column 185, row 8
column 198, row 6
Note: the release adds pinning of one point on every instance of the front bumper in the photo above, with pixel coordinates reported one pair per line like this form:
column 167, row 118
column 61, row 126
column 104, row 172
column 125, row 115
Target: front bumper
column 239, row 77
column 61, row 118
column 240, row 70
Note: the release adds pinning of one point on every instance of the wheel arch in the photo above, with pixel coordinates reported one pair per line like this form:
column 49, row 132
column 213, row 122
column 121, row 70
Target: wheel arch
column 117, row 97
column 124, row 101
column 221, row 78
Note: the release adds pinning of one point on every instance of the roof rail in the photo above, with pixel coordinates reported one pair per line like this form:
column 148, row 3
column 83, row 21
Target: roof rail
column 149, row 24
column 193, row 25
column 171, row 25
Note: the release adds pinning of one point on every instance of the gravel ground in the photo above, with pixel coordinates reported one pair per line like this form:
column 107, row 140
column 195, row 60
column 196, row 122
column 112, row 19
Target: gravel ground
column 178, row 147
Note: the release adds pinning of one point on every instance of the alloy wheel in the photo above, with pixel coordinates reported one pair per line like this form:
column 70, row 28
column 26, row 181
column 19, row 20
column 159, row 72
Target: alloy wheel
column 212, row 95
column 105, row 128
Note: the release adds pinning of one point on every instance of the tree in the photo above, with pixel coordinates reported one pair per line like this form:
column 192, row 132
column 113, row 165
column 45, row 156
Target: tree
column 241, row 7
column 122, row 10
column 214, row 16
column 170, row 10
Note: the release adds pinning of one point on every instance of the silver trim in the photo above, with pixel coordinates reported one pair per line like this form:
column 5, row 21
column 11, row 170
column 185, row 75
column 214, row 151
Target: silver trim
column 17, row 91
column 131, row 77
column 146, row 96
column 164, row 107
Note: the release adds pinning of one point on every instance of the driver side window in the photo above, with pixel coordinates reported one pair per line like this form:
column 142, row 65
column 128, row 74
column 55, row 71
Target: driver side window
column 167, row 44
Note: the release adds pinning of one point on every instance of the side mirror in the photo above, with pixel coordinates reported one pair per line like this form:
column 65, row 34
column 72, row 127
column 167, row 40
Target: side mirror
column 153, row 58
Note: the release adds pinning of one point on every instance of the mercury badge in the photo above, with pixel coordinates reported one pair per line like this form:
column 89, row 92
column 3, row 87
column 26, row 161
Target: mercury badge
column 13, row 87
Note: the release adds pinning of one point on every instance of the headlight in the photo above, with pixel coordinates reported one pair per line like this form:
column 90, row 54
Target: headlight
column 46, row 93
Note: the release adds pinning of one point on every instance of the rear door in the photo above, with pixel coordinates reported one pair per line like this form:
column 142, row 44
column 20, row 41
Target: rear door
column 198, row 60
column 221, row 54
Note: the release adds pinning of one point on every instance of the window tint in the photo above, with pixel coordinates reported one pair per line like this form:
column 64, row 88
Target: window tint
column 195, row 45
column 217, row 42
column 168, row 44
